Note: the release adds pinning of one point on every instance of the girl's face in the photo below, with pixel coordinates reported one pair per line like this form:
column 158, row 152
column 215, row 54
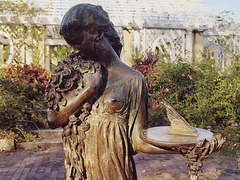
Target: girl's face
column 86, row 44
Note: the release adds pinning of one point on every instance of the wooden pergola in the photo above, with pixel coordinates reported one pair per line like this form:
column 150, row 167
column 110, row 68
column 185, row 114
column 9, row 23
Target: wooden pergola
column 144, row 24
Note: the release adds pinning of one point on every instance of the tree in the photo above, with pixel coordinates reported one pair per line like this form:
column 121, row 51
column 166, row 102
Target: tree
column 24, row 37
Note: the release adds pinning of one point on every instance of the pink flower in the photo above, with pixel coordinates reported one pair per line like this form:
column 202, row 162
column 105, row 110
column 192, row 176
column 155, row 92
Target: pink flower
column 235, row 125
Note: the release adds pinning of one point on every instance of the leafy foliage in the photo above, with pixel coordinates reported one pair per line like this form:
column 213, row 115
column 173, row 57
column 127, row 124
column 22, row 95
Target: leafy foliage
column 146, row 65
column 23, row 36
column 28, row 75
column 205, row 96
column 21, row 94
column 58, row 53
column 19, row 8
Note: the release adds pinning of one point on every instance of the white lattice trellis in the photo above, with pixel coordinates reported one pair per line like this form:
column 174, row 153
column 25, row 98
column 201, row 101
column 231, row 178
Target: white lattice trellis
column 14, row 42
column 162, row 25
column 169, row 43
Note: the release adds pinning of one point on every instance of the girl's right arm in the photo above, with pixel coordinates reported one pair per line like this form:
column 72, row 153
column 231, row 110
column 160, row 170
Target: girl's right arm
column 59, row 118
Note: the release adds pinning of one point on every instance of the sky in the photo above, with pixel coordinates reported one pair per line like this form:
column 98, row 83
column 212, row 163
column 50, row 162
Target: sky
column 218, row 6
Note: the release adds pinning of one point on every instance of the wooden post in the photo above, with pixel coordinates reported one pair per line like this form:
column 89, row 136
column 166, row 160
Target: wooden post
column 198, row 46
column 127, row 47
column 41, row 51
column 47, row 58
column 28, row 55
column 137, row 40
column 189, row 44
column 1, row 50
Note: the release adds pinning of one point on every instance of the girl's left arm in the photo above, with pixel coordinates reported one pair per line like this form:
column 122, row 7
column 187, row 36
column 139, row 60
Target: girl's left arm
column 138, row 116
column 137, row 143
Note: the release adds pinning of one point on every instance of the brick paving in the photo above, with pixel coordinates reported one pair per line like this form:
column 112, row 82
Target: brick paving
column 48, row 165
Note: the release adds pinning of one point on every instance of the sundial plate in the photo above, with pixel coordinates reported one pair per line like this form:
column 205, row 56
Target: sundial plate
column 159, row 136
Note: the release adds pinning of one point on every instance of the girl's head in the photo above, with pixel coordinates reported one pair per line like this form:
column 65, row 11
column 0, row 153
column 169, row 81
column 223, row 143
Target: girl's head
column 91, row 19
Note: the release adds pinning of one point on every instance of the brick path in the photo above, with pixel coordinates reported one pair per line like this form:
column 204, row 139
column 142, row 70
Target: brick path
column 48, row 165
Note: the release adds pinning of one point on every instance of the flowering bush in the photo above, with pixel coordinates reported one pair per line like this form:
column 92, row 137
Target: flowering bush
column 206, row 97
column 146, row 65
column 29, row 75
column 21, row 94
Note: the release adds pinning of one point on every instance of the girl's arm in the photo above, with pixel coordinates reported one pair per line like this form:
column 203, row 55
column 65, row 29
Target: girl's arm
column 59, row 118
column 138, row 116
column 140, row 145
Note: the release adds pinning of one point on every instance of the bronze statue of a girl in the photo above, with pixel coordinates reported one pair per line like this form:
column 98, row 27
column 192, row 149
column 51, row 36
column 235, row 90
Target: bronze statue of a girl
column 99, row 101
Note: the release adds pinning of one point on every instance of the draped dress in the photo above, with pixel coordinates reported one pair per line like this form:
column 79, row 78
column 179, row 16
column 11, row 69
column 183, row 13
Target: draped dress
column 108, row 145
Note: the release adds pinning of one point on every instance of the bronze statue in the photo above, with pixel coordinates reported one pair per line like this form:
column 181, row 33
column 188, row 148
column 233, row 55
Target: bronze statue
column 100, row 102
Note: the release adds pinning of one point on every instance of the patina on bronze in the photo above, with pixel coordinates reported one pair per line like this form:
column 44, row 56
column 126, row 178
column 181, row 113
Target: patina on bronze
column 100, row 102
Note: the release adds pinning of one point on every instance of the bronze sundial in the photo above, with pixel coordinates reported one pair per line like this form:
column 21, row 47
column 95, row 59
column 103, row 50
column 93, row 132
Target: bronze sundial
column 193, row 143
column 160, row 136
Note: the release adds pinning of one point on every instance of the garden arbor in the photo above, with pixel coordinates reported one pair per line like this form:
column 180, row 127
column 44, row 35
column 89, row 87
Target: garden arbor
column 172, row 28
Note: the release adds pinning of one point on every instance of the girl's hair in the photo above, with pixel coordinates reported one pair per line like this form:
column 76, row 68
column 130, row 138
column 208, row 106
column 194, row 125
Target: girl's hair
column 91, row 17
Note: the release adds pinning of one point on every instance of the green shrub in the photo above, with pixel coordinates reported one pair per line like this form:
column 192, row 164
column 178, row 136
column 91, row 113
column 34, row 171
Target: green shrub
column 205, row 96
column 29, row 75
column 22, row 88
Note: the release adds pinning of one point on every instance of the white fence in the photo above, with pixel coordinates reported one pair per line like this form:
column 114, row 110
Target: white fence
column 223, row 47
column 171, row 44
